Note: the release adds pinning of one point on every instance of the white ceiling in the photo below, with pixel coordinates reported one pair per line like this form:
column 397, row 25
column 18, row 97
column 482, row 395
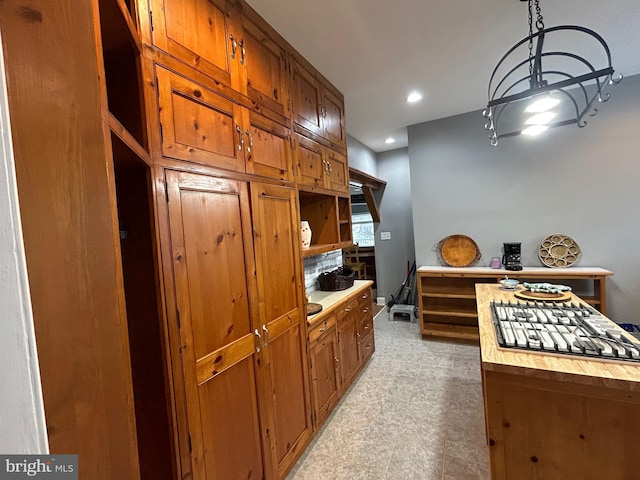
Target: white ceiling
column 376, row 51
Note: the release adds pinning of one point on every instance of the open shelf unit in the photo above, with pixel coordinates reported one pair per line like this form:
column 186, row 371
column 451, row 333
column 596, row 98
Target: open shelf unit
column 447, row 298
column 329, row 218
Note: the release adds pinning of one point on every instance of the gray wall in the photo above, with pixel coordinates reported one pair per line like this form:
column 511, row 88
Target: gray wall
column 361, row 157
column 394, row 202
column 581, row 182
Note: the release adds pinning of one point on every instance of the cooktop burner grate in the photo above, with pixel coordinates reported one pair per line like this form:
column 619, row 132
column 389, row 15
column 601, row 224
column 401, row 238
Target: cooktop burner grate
column 562, row 328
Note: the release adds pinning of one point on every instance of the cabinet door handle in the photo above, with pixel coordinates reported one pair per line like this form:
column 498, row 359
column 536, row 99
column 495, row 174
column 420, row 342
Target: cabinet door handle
column 329, row 167
column 324, row 328
column 365, row 296
column 337, row 360
column 250, row 137
column 366, row 326
column 240, row 137
column 365, row 310
column 234, row 45
column 266, row 335
column 347, row 310
column 243, row 52
column 323, row 111
column 258, row 340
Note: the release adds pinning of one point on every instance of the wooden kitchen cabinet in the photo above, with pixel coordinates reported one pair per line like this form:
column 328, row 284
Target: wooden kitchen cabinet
column 340, row 342
column 236, row 48
column 317, row 107
column 243, row 365
column 320, row 167
column 447, row 296
column 200, row 126
column 329, row 217
column 348, row 342
column 201, row 33
column 324, row 368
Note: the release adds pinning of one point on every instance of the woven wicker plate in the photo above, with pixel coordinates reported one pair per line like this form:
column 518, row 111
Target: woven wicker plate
column 559, row 250
column 458, row 251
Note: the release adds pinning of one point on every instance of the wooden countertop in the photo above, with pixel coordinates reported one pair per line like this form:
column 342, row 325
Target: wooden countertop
column 596, row 372
column 329, row 300
column 532, row 271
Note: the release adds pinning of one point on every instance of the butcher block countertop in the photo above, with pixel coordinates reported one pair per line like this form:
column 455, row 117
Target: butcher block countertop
column 547, row 366
column 329, row 300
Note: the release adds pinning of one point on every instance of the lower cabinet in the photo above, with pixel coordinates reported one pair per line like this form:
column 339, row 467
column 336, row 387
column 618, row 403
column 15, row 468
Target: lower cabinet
column 239, row 367
column 325, row 371
column 340, row 344
column 348, row 342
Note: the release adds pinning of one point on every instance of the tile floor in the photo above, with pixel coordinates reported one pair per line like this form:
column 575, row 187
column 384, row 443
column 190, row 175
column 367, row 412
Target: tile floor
column 415, row 412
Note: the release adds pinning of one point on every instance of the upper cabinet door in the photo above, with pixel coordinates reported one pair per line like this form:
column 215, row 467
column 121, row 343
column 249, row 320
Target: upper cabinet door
column 333, row 118
column 198, row 125
column 268, row 148
column 337, row 177
column 310, row 162
column 198, row 32
column 307, row 98
column 266, row 71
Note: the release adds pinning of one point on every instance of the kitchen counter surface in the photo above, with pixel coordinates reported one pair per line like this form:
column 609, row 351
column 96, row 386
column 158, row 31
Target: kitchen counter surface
column 328, row 300
column 533, row 271
column 596, row 372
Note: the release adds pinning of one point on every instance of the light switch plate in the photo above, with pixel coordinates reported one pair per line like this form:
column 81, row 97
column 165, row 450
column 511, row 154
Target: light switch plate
column 385, row 235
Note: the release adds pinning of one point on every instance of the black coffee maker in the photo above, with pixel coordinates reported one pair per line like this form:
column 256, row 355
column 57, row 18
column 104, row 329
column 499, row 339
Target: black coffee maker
column 511, row 258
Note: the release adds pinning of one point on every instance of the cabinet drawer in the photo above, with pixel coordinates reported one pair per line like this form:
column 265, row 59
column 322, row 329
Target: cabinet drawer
column 365, row 325
column 321, row 328
column 364, row 298
column 347, row 310
column 367, row 347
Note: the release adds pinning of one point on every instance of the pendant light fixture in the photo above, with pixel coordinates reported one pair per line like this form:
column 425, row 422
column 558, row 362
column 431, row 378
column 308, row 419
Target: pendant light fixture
column 536, row 86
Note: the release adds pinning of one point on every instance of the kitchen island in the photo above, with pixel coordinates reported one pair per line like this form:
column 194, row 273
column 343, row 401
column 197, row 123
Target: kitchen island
column 552, row 416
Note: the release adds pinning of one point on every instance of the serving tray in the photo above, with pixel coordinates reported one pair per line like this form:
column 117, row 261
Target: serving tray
column 559, row 250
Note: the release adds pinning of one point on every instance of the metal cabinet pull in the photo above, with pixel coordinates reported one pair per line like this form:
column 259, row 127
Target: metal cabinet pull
column 240, row 137
column 243, row 52
column 347, row 310
column 258, row 340
column 250, row 137
column 329, row 167
column 337, row 360
column 366, row 326
column 266, row 335
column 234, row 45
column 365, row 310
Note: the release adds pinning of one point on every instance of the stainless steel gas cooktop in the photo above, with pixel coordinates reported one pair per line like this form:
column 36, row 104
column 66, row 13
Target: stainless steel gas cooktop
column 562, row 328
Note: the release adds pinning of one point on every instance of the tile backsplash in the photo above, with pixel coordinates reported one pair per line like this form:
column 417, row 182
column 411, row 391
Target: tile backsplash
column 314, row 266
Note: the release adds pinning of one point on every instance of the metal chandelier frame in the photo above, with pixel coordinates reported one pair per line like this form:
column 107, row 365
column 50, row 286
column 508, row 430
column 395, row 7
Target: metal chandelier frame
column 581, row 89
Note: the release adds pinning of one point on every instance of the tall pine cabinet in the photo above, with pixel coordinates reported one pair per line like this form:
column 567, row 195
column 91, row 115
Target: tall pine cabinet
column 161, row 192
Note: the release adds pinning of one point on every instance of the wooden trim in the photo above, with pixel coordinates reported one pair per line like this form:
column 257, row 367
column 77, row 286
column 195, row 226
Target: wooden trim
column 365, row 179
column 371, row 203
column 123, row 134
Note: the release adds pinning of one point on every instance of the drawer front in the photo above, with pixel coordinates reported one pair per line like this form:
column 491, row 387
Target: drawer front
column 367, row 347
column 347, row 310
column 322, row 328
column 365, row 325
column 364, row 298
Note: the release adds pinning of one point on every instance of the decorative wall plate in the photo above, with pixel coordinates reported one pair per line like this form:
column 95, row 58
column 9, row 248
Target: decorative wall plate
column 559, row 250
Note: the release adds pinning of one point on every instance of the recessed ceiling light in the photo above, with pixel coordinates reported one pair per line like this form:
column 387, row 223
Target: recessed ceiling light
column 414, row 97
column 390, row 140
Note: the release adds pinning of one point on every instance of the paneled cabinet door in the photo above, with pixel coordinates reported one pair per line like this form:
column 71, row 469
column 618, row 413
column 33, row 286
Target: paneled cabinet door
column 337, row 178
column 310, row 162
column 307, row 99
column 285, row 389
column 201, row 34
column 266, row 70
column 198, row 125
column 348, row 342
column 325, row 375
column 332, row 111
column 267, row 147
column 211, row 258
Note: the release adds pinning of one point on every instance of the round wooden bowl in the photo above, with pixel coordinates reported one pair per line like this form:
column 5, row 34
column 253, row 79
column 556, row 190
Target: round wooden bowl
column 458, row 251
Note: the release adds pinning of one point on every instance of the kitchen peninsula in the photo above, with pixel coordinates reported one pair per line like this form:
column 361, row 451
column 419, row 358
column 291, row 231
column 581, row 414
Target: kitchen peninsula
column 552, row 416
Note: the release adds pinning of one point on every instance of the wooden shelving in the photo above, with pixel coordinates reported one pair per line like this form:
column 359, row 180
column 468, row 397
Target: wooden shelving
column 448, row 301
column 329, row 217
